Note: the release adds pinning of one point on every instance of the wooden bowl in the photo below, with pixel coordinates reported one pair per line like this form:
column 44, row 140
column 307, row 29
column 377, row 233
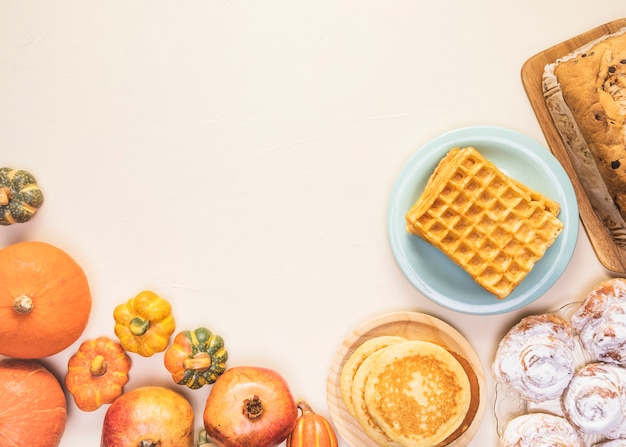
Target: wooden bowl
column 413, row 326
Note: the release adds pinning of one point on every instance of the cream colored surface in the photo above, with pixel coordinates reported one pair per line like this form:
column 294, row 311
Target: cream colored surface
column 237, row 157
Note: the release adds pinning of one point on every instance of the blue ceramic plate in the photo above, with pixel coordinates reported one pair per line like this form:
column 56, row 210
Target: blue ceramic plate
column 431, row 271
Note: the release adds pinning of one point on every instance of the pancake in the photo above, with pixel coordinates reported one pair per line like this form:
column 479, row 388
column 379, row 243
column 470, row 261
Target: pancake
column 417, row 393
column 361, row 413
column 354, row 361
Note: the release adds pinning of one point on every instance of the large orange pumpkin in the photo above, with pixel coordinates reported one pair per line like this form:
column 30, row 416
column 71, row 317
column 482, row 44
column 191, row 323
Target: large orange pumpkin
column 45, row 300
column 32, row 405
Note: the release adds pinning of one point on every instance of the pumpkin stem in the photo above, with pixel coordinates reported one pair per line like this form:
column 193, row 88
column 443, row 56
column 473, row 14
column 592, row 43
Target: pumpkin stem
column 98, row 366
column 5, row 195
column 138, row 326
column 23, row 304
column 304, row 406
column 199, row 362
column 253, row 407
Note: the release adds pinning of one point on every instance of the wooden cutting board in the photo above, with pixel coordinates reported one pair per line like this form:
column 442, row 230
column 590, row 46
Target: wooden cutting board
column 610, row 256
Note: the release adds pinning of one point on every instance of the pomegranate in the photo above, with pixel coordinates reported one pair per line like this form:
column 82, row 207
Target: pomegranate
column 250, row 406
column 149, row 416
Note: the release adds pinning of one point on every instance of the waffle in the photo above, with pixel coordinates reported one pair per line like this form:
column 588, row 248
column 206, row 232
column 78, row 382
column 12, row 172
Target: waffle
column 488, row 223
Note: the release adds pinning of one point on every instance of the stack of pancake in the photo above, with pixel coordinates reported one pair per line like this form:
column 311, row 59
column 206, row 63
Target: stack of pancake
column 408, row 393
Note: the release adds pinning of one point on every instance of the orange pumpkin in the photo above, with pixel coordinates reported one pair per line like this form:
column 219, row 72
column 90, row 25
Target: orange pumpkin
column 44, row 300
column 97, row 373
column 311, row 430
column 32, row 405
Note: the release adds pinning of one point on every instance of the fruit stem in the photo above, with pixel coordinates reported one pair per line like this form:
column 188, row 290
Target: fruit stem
column 98, row 366
column 199, row 362
column 304, row 406
column 5, row 196
column 139, row 326
column 148, row 443
column 253, row 407
column 23, row 304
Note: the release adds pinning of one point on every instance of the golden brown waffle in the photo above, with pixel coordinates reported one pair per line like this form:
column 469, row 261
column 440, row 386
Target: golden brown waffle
column 490, row 224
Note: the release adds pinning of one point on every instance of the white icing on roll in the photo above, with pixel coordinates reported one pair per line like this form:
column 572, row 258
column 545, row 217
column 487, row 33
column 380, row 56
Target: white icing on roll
column 540, row 430
column 601, row 322
column 536, row 357
column 595, row 400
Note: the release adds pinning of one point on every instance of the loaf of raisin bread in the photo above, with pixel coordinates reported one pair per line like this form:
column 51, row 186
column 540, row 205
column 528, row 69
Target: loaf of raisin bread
column 585, row 93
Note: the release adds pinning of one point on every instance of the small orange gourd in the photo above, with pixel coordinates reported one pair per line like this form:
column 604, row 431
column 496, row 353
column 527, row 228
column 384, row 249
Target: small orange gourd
column 32, row 405
column 97, row 373
column 45, row 300
column 311, row 430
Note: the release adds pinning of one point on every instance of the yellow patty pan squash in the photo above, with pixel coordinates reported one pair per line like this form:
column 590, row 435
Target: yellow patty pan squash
column 144, row 323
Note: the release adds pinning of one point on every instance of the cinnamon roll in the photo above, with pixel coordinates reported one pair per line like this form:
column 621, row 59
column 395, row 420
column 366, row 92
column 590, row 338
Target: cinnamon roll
column 601, row 322
column 595, row 400
column 536, row 357
column 540, row 429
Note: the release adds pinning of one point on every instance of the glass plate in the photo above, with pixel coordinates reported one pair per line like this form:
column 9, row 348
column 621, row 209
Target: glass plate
column 430, row 270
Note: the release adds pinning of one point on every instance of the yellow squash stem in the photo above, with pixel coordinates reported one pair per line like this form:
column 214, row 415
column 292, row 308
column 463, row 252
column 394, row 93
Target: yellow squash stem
column 139, row 326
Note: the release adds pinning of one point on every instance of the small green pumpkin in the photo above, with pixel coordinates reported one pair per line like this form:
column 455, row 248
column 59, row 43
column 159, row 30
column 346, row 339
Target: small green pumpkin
column 196, row 358
column 20, row 196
